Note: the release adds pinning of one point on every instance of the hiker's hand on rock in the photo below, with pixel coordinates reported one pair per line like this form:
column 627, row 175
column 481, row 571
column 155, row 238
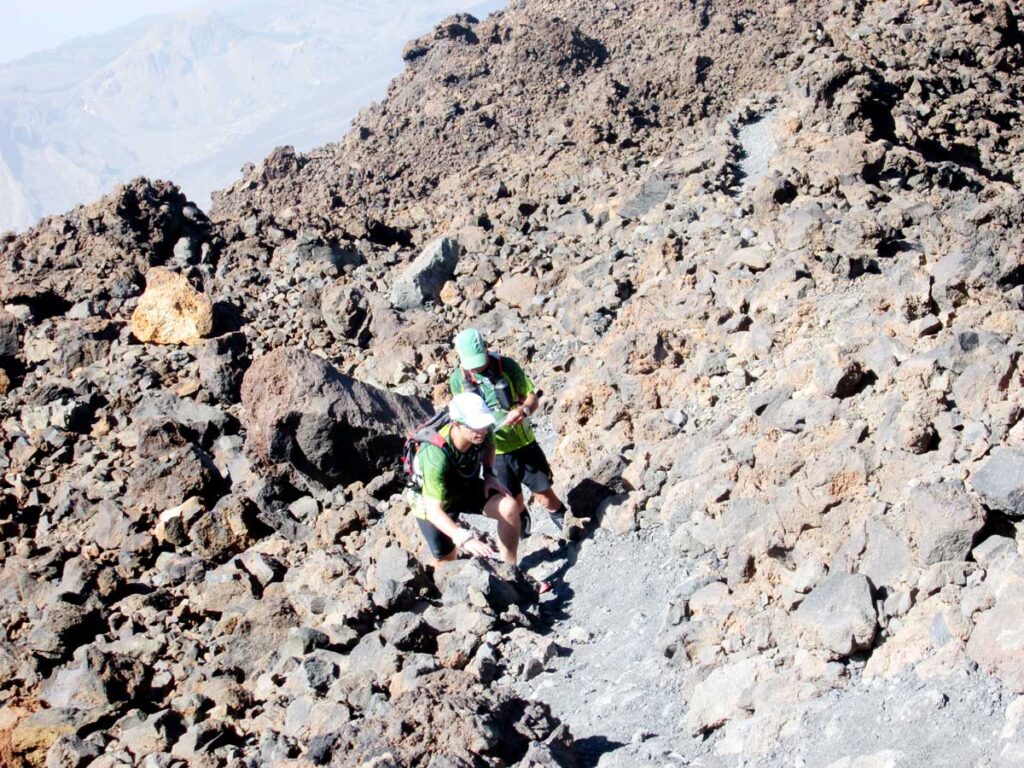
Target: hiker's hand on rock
column 479, row 548
column 492, row 483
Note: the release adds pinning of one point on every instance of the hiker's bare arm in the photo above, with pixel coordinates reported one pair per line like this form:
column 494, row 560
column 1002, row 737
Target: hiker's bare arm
column 527, row 406
column 464, row 538
column 440, row 519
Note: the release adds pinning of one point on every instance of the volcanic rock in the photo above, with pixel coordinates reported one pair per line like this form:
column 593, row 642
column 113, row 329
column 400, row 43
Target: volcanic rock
column 171, row 311
column 1000, row 481
column 944, row 521
column 422, row 280
column 222, row 364
column 838, row 615
column 10, row 337
column 328, row 426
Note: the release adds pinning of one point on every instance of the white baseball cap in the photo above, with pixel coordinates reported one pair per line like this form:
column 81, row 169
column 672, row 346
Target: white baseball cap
column 470, row 409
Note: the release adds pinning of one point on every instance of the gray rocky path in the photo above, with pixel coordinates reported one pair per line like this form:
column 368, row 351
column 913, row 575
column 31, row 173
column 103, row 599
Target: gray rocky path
column 620, row 697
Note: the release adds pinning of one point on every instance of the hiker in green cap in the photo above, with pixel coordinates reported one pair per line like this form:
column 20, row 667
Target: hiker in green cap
column 510, row 395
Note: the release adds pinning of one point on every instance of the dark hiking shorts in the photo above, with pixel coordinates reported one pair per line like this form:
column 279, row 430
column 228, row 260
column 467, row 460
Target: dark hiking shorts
column 469, row 503
column 524, row 466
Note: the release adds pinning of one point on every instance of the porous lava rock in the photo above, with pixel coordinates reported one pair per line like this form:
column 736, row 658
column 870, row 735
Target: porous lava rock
column 171, row 311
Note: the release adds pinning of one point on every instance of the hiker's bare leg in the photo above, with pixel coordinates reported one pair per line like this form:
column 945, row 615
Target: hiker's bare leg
column 505, row 509
column 548, row 499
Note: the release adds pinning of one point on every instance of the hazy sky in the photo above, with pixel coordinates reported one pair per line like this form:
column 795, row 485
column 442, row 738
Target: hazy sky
column 27, row 26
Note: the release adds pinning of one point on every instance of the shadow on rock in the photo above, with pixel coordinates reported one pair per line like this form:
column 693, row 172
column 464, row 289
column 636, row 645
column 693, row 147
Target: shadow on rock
column 590, row 750
column 228, row 317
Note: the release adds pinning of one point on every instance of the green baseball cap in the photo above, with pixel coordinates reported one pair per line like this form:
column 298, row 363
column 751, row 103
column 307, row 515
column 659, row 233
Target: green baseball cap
column 471, row 348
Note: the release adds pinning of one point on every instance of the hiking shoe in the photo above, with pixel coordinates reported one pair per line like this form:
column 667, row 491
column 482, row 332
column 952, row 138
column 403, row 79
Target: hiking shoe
column 525, row 524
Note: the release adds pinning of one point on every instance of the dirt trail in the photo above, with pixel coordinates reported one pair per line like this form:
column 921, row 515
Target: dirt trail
column 620, row 696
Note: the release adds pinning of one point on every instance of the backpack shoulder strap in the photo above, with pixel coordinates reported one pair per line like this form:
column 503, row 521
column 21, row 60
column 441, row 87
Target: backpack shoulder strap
column 423, row 437
column 506, row 377
column 468, row 381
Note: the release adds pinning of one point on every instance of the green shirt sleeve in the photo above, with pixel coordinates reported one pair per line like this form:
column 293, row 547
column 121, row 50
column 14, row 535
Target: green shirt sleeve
column 455, row 381
column 433, row 465
column 517, row 377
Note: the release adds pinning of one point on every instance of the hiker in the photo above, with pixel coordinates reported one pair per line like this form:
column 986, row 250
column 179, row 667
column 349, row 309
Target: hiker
column 510, row 395
column 456, row 474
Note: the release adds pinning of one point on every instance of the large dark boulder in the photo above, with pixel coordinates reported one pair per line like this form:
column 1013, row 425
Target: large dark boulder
column 300, row 410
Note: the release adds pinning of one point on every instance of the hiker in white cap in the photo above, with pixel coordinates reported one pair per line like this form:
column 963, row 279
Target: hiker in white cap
column 456, row 471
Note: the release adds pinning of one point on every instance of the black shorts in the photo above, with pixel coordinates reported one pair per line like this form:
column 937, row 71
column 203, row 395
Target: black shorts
column 524, row 466
column 470, row 502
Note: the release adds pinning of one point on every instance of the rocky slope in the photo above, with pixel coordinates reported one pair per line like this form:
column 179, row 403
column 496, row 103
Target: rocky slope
column 765, row 263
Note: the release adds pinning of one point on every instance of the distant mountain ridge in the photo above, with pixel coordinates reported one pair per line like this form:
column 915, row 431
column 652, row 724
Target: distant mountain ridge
column 192, row 96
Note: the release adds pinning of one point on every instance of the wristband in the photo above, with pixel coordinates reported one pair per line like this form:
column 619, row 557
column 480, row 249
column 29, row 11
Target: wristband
column 527, row 410
column 462, row 537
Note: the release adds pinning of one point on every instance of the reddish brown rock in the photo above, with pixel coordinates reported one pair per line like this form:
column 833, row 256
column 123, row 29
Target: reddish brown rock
column 301, row 411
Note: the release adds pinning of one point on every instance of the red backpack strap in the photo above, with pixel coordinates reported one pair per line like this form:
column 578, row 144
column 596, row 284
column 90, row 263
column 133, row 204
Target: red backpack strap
column 437, row 439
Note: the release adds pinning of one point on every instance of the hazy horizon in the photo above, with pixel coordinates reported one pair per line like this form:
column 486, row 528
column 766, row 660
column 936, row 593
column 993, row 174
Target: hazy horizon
column 48, row 24
column 193, row 95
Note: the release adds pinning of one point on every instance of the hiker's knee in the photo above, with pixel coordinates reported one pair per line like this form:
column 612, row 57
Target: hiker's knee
column 509, row 509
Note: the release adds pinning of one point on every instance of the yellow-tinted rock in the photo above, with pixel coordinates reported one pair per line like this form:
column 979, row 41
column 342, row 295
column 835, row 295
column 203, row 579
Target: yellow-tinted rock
column 171, row 311
column 5, row 382
column 33, row 735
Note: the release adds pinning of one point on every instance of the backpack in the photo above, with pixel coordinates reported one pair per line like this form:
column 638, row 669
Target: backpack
column 427, row 432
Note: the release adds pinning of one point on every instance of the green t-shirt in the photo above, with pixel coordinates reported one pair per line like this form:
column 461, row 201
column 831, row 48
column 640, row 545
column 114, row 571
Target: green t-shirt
column 448, row 473
column 506, row 439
